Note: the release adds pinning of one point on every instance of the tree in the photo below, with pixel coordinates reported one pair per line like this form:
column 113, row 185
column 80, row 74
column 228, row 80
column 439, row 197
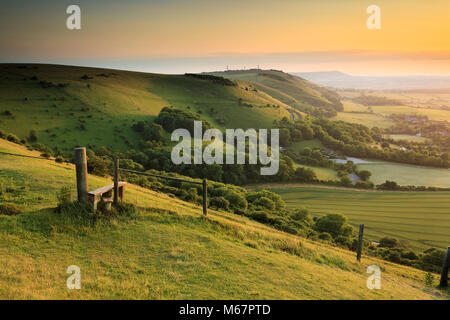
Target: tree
column 153, row 132
column 335, row 224
column 346, row 181
column 364, row 174
column 305, row 175
column 285, row 137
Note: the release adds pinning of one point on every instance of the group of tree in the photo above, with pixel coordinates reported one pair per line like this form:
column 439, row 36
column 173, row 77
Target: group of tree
column 357, row 141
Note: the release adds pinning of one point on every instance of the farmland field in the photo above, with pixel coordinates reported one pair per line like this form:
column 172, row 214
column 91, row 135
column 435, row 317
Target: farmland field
column 405, row 174
column 421, row 218
column 367, row 119
column 322, row 173
column 407, row 137
column 432, row 114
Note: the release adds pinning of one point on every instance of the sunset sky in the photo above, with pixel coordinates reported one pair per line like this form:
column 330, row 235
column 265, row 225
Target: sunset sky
column 177, row 36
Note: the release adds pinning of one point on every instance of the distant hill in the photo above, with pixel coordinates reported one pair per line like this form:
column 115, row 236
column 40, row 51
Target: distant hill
column 305, row 96
column 341, row 80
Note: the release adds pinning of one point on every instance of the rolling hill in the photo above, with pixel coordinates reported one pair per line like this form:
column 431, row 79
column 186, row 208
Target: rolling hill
column 168, row 250
column 69, row 106
column 305, row 96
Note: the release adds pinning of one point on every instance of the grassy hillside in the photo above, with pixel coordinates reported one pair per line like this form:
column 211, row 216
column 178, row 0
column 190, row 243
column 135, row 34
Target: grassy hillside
column 70, row 106
column 294, row 91
column 168, row 251
column 421, row 218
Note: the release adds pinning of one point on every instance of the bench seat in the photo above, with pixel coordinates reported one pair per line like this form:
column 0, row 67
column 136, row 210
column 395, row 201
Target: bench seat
column 105, row 194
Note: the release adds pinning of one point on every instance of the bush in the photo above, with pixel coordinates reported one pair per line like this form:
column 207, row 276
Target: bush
column 59, row 159
column 220, row 203
column 325, row 236
column 64, row 196
column 276, row 198
column 388, row 242
column 236, row 200
column 432, row 259
column 9, row 209
column 13, row 138
column 301, row 215
column 429, row 279
column 265, row 203
column 97, row 165
column 364, row 174
column 333, row 223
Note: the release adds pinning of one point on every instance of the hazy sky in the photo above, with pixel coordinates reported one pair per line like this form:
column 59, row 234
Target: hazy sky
column 176, row 36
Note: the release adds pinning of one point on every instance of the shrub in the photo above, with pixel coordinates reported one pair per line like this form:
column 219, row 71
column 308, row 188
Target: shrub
column 333, row 223
column 431, row 259
column 276, row 198
column 237, row 201
column 429, row 279
column 9, row 209
column 301, row 214
column 220, row 203
column 265, row 203
column 325, row 236
column 97, row 165
column 59, row 159
column 394, row 256
column 64, row 196
column 388, row 242
column 13, row 138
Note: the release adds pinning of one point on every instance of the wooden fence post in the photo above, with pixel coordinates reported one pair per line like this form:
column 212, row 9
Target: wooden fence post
column 444, row 274
column 205, row 198
column 81, row 170
column 116, row 181
column 360, row 242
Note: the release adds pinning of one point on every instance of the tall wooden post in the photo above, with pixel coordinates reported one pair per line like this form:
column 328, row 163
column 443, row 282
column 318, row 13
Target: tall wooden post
column 444, row 274
column 116, row 181
column 81, row 170
column 205, row 198
column 360, row 242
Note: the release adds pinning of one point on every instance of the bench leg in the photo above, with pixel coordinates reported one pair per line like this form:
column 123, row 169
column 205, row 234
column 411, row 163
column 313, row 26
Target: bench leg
column 121, row 192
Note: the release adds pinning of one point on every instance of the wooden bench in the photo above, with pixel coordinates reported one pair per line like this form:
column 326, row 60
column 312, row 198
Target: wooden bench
column 105, row 194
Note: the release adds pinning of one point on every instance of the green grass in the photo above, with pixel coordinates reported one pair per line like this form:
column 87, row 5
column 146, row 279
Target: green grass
column 113, row 103
column 421, row 218
column 169, row 251
column 321, row 173
column 432, row 114
column 405, row 174
column 367, row 119
column 350, row 106
column 407, row 137
column 291, row 90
